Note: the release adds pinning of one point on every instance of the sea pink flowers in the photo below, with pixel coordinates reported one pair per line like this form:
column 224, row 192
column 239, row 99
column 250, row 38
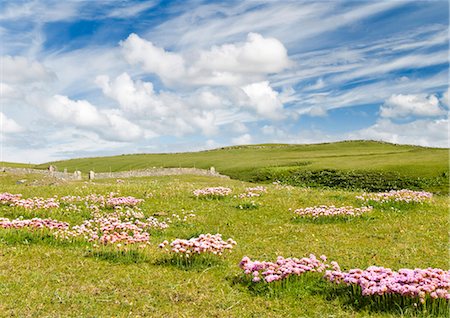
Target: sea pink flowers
column 397, row 196
column 331, row 211
column 204, row 244
column 16, row 200
column 120, row 227
column 213, row 192
column 35, row 223
column 413, row 283
column 282, row 268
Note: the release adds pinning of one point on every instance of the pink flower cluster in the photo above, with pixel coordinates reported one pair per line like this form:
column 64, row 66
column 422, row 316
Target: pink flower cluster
column 35, row 223
column 15, row 200
column 105, row 201
column 282, row 268
column 7, row 198
column 397, row 196
column 125, row 227
column 204, row 244
column 413, row 283
column 253, row 192
column 214, row 192
column 122, row 201
column 331, row 211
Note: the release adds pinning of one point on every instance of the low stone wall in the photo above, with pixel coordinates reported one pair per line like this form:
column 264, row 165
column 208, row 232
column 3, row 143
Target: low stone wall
column 117, row 175
column 157, row 172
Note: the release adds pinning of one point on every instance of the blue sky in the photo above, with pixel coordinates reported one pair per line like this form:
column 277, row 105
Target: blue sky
column 89, row 78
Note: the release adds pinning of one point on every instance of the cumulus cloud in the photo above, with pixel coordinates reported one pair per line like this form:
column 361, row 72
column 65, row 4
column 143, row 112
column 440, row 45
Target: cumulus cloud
column 166, row 113
column 256, row 55
column 245, row 139
column 239, row 127
column 424, row 132
column 445, row 98
column 7, row 91
column 8, row 125
column 167, row 65
column 411, row 105
column 20, row 70
column 80, row 113
column 264, row 100
column 226, row 65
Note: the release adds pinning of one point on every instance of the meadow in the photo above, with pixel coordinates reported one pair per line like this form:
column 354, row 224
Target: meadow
column 369, row 165
column 43, row 275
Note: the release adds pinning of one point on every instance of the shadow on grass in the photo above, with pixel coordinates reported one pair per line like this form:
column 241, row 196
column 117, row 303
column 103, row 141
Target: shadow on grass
column 293, row 287
column 195, row 263
column 351, row 299
column 38, row 237
column 332, row 220
column 118, row 256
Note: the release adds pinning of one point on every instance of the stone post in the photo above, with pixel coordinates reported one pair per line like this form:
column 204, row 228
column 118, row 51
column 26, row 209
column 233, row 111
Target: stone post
column 77, row 175
column 91, row 175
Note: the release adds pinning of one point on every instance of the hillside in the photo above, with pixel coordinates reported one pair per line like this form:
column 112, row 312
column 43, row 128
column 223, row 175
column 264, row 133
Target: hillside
column 271, row 162
column 367, row 155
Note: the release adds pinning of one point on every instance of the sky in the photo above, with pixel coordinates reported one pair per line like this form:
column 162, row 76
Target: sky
column 96, row 78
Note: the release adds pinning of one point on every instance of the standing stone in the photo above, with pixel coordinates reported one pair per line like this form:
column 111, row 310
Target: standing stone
column 51, row 169
column 77, row 175
column 65, row 171
column 212, row 170
column 91, row 175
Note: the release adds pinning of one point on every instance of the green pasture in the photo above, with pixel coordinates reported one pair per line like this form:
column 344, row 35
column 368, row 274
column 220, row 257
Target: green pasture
column 44, row 277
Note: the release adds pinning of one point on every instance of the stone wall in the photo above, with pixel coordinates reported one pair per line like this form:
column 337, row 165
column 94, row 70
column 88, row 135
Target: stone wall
column 119, row 174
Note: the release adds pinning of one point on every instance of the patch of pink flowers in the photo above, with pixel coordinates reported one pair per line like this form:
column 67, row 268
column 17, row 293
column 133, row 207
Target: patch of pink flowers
column 412, row 283
column 35, row 223
column 253, row 192
column 331, row 211
column 111, row 200
column 213, row 192
column 282, row 268
column 204, row 244
column 124, row 226
column 16, row 200
column 397, row 196
column 8, row 198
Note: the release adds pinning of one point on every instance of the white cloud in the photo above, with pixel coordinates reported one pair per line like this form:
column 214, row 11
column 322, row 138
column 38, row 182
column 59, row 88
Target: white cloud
column 425, row 132
column 258, row 55
column 445, row 98
column 20, row 70
column 411, row 105
column 136, row 99
column 108, row 124
column 131, row 10
column 239, row 127
column 226, row 65
column 264, row 100
column 245, row 139
column 7, row 91
column 167, row 65
column 8, row 125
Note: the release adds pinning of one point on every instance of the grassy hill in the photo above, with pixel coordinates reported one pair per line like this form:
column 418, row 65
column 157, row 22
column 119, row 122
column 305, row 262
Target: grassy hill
column 316, row 164
column 15, row 165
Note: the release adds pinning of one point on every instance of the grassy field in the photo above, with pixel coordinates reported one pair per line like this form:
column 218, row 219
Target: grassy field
column 367, row 155
column 44, row 277
column 16, row 165
column 355, row 164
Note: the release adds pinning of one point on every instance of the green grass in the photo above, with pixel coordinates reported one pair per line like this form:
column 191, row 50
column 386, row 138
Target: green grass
column 16, row 165
column 41, row 277
column 402, row 165
column 412, row 160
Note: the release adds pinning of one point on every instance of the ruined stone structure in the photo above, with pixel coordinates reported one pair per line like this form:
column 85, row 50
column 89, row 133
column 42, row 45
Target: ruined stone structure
column 77, row 175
